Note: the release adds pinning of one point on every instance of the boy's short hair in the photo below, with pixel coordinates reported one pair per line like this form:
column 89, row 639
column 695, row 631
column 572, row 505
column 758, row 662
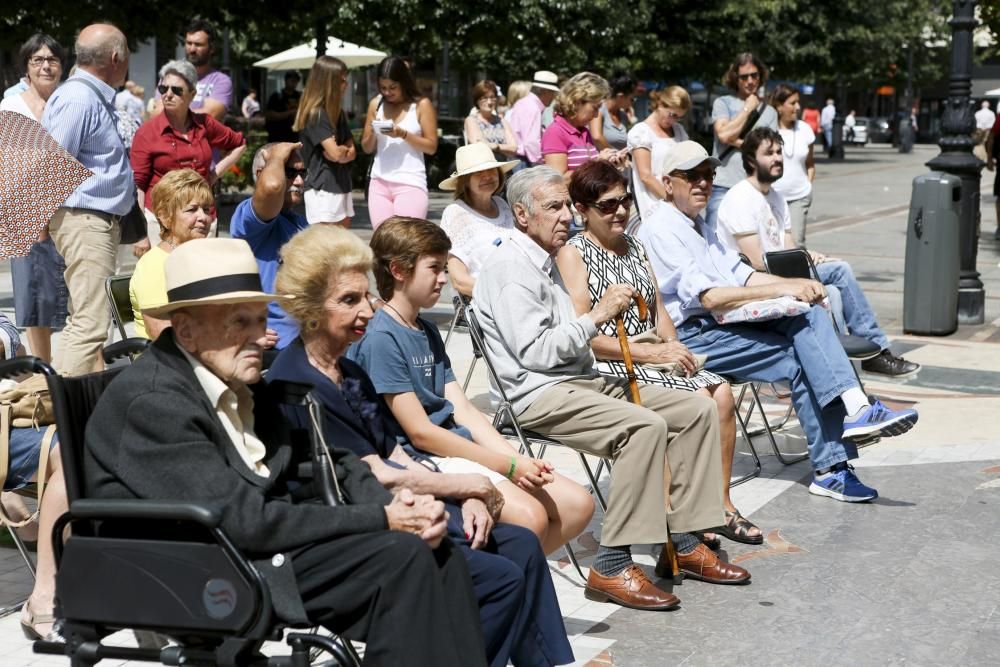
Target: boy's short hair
column 403, row 241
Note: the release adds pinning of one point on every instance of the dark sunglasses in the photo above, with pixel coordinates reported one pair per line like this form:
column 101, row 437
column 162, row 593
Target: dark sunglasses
column 291, row 173
column 695, row 175
column 749, row 75
column 609, row 206
column 176, row 90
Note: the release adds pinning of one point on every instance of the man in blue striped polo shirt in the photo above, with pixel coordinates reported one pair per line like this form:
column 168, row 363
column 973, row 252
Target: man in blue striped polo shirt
column 81, row 116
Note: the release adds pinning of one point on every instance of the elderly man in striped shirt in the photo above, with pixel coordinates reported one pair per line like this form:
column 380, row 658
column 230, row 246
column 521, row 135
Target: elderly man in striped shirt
column 81, row 116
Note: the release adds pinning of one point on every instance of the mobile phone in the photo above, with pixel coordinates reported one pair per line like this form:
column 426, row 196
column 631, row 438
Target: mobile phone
column 382, row 126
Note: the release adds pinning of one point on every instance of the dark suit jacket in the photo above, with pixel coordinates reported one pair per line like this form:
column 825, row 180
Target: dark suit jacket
column 154, row 435
column 355, row 417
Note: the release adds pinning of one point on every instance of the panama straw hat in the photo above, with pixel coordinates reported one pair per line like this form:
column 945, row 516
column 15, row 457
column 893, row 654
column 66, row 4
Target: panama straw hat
column 206, row 272
column 546, row 79
column 472, row 158
column 687, row 155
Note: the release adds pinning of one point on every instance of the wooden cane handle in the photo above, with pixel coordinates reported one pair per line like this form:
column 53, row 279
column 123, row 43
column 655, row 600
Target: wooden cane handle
column 643, row 307
column 627, row 358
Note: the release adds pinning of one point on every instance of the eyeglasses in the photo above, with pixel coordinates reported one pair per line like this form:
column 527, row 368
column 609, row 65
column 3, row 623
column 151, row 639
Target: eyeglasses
column 291, row 173
column 38, row 61
column 749, row 75
column 488, row 98
column 674, row 116
column 609, row 206
column 176, row 90
column 695, row 175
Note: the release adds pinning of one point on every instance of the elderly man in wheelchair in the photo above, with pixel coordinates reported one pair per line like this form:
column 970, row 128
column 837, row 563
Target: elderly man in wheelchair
column 214, row 533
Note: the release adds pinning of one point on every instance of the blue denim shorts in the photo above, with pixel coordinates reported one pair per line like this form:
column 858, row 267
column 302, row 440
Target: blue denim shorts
column 25, row 448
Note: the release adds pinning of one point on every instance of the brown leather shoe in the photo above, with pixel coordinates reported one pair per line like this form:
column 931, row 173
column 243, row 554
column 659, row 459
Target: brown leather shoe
column 629, row 588
column 702, row 563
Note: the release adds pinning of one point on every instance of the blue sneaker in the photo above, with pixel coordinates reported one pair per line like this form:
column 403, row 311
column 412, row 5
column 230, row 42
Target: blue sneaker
column 877, row 420
column 842, row 484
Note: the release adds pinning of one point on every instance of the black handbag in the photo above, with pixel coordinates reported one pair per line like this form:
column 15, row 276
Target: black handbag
column 133, row 225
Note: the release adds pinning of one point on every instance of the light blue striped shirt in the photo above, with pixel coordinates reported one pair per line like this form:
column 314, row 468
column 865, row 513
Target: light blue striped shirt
column 84, row 126
column 688, row 259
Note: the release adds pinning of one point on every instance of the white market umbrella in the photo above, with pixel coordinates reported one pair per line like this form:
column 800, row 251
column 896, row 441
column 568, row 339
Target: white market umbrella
column 992, row 93
column 304, row 55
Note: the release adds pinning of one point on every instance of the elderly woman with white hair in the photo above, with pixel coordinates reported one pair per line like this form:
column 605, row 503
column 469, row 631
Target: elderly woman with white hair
column 179, row 138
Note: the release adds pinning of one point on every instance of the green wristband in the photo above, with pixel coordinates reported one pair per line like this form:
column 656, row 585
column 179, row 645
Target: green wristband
column 513, row 467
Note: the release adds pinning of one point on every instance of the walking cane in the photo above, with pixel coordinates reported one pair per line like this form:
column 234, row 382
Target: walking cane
column 633, row 385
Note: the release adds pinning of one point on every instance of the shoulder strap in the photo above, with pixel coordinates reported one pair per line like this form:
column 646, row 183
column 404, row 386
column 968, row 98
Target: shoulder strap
column 6, row 413
column 97, row 92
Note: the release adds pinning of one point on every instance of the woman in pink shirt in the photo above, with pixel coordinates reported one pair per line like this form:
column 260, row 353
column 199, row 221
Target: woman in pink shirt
column 567, row 143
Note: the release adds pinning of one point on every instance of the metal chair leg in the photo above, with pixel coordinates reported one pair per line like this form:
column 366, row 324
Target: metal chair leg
column 789, row 460
column 22, row 549
column 747, row 438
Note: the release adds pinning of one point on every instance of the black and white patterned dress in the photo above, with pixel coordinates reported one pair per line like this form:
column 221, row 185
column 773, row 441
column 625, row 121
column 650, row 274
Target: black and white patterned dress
column 607, row 268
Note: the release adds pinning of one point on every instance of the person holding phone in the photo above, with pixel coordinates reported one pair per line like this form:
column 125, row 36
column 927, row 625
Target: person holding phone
column 400, row 128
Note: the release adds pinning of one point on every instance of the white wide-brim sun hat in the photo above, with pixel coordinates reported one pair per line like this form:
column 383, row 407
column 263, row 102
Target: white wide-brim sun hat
column 472, row 158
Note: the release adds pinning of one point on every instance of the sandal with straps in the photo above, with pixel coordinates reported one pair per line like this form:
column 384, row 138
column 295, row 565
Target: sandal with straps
column 737, row 528
column 33, row 620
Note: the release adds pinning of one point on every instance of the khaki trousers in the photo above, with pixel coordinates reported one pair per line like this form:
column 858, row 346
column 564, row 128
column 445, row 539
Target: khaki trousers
column 88, row 241
column 595, row 416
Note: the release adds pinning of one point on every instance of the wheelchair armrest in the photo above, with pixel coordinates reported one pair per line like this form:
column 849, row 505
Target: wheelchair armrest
column 20, row 366
column 95, row 509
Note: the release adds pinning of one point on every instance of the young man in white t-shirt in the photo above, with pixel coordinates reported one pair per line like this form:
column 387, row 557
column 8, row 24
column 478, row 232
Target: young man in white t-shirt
column 754, row 219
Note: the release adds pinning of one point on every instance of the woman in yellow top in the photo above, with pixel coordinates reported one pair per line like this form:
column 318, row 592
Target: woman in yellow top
column 182, row 203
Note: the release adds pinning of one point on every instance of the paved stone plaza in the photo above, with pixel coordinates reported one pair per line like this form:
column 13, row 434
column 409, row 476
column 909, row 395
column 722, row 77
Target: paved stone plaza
column 909, row 579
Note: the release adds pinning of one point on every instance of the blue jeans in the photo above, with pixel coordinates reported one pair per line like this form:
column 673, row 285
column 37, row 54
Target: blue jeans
column 802, row 350
column 714, row 201
column 858, row 312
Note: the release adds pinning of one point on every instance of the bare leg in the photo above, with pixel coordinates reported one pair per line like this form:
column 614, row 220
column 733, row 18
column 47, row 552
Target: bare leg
column 345, row 223
column 17, row 510
column 722, row 394
column 54, row 504
column 40, row 342
column 556, row 513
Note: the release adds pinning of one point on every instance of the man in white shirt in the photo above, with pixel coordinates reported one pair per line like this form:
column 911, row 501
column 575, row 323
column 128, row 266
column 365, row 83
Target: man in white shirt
column 826, row 122
column 984, row 123
column 985, row 116
column 754, row 220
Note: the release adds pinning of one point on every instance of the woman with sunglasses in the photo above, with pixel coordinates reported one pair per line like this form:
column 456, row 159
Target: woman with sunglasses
column 733, row 116
column 604, row 255
column 40, row 294
column 649, row 142
column 327, row 144
column 179, row 138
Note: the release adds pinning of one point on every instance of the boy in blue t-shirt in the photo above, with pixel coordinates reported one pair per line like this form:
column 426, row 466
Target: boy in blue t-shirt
column 405, row 357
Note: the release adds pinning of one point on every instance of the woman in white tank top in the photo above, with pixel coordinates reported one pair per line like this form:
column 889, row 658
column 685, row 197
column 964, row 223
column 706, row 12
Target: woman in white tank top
column 401, row 126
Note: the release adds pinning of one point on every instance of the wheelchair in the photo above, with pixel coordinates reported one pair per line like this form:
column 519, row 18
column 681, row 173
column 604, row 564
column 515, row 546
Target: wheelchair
column 197, row 589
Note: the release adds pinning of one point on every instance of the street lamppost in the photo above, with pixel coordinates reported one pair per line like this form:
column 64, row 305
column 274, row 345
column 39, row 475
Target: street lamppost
column 957, row 125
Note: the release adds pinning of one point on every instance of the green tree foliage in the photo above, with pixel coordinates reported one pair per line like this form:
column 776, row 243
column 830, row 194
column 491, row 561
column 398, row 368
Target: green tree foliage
column 855, row 41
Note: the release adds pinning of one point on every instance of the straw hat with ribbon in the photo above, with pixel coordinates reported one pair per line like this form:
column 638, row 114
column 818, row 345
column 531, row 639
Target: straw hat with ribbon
column 546, row 80
column 472, row 158
column 207, row 272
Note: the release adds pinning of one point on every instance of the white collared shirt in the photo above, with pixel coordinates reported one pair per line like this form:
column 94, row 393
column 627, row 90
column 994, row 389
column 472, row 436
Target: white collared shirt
column 234, row 406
